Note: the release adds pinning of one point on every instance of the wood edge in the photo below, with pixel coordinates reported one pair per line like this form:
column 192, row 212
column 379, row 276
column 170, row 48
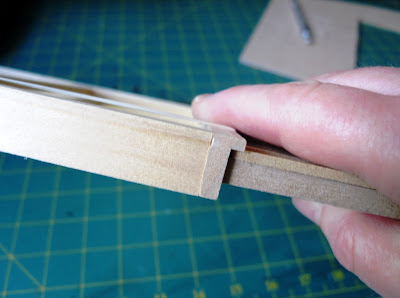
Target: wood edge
column 222, row 139
column 221, row 142
column 297, row 165
column 170, row 108
column 49, row 130
column 177, row 108
column 220, row 149
column 263, row 178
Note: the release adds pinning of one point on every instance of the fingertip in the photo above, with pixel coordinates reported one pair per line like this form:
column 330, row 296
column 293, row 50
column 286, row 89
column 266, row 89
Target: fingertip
column 200, row 107
column 200, row 98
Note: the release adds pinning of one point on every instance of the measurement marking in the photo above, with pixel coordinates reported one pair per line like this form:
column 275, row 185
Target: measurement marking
column 84, row 249
column 155, row 240
column 51, row 228
column 305, row 278
column 28, row 172
column 14, row 260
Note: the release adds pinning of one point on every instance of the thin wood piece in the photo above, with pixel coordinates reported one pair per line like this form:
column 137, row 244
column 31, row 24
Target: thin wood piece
column 268, row 170
column 163, row 147
column 146, row 150
column 127, row 97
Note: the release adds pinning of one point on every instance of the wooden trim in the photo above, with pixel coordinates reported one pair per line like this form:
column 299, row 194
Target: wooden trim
column 132, row 98
column 292, row 177
column 155, row 149
column 159, row 144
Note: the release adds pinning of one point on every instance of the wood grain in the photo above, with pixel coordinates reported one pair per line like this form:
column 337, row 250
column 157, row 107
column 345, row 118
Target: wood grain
column 269, row 170
column 149, row 150
column 156, row 143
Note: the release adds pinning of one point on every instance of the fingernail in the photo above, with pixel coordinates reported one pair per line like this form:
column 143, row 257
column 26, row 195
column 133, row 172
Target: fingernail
column 306, row 82
column 312, row 210
column 199, row 108
column 201, row 97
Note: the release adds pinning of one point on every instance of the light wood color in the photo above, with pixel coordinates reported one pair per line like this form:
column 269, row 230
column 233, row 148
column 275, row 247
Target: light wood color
column 121, row 96
column 156, row 149
column 158, row 143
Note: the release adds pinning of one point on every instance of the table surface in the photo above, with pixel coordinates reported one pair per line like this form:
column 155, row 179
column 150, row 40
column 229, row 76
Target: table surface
column 66, row 233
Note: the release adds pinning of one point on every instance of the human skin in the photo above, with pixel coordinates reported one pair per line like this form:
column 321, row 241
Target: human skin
column 348, row 121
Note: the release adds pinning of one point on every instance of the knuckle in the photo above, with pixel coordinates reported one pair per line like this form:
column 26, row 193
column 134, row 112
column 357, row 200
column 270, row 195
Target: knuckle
column 342, row 238
column 345, row 244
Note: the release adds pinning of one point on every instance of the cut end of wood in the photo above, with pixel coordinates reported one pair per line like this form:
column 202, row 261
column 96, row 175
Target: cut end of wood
column 217, row 159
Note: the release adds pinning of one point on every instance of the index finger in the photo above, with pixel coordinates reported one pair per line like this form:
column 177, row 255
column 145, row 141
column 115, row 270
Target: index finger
column 337, row 126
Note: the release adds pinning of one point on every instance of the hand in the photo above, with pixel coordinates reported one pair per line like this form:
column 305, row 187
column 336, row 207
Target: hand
column 349, row 121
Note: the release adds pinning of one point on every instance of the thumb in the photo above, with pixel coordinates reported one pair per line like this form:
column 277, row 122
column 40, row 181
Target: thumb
column 338, row 126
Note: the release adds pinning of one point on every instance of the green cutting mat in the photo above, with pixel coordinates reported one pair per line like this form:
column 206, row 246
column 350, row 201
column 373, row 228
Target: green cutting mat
column 66, row 233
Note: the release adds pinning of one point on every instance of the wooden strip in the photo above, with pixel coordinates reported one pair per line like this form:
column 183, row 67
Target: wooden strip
column 270, row 156
column 132, row 98
column 159, row 149
column 287, row 177
column 217, row 160
column 110, row 143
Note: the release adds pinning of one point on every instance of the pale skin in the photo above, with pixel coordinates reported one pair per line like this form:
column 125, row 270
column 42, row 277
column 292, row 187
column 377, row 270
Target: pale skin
column 348, row 121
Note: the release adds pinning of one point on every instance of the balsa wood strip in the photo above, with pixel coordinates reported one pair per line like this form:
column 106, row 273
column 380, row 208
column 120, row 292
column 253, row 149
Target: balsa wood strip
column 270, row 156
column 287, row 177
column 131, row 98
column 110, row 143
